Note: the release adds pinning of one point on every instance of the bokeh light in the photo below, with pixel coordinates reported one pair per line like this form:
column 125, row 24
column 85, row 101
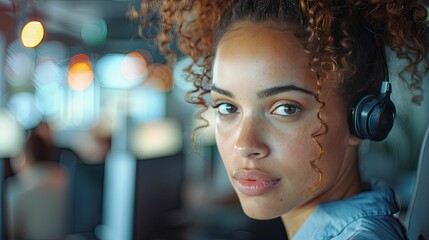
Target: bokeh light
column 12, row 135
column 32, row 34
column 94, row 31
column 80, row 74
column 81, row 57
column 16, row 69
column 48, row 81
column 19, row 64
column 46, row 71
column 133, row 66
column 49, row 98
column 23, row 107
column 157, row 139
column 113, row 72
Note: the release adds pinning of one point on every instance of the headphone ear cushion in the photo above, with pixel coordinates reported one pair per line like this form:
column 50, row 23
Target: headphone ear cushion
column 372, row 117
column 380, row 120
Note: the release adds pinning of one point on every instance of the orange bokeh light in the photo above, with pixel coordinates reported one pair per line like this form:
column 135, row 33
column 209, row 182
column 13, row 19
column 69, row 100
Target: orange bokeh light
column 79, row 58
column 80, row 74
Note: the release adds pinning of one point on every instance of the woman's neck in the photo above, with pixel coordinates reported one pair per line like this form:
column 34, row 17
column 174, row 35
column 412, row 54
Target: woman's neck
column 347, row 185
column 294, row 219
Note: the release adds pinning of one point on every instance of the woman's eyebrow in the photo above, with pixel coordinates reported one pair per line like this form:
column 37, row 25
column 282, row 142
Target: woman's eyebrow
column 221, row 91
column 266, row 92
column 280, row 89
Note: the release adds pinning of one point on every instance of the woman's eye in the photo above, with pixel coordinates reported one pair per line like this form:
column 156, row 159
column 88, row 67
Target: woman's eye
column 286, row 110
column 225, row 108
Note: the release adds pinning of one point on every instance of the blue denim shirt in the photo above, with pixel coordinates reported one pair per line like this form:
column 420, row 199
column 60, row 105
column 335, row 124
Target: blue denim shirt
column 368, row 215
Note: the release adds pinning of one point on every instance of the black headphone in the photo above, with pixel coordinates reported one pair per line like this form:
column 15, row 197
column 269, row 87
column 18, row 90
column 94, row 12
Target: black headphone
column 372, row 116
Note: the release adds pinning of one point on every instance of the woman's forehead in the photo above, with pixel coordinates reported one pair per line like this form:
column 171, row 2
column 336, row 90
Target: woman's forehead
column 255, row 29
column 260, row 51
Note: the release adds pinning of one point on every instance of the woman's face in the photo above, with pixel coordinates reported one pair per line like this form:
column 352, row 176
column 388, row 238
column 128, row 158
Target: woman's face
column 266, row 113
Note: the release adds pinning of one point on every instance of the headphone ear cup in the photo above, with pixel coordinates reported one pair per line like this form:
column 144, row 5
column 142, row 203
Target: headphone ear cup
column 372, row 117
column 358, row 116
column 380, row 120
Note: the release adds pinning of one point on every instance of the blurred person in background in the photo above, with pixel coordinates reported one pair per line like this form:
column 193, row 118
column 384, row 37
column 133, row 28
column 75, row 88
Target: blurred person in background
column 36, row 194
column 296, row 86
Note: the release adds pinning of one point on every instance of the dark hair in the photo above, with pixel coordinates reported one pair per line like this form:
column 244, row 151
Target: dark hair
column 343, row 39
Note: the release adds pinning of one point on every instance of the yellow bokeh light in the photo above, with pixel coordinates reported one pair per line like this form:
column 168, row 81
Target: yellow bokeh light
column 80, row 76
column 32, row 34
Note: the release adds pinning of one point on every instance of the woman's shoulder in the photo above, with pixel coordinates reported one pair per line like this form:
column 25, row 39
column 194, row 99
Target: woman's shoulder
column 374, row 227
column 368, row 215
column 372, row 216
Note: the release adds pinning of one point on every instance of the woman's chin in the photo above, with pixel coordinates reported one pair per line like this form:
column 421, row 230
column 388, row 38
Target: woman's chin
column 259, row 211
column 259, row 215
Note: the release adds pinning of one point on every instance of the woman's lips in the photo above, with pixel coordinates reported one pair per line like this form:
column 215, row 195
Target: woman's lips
column 254, row 182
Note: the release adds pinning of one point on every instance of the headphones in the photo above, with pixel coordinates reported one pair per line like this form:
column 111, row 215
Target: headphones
column 372, row 116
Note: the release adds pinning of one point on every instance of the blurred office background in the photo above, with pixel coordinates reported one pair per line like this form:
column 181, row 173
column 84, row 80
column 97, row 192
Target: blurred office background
column 121, row 131
column 120, row 126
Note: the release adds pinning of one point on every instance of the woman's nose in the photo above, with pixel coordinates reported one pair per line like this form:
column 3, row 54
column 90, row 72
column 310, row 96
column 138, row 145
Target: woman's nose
column 250, row 143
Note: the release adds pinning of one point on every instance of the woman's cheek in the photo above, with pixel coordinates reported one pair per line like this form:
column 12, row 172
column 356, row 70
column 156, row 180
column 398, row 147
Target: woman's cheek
column 221, row 133
column 296, row 135
column 225, row 139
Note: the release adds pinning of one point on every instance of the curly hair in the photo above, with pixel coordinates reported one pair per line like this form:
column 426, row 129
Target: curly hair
column 341, row 37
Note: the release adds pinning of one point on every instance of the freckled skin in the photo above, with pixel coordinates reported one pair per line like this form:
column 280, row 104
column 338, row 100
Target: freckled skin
column 253, row 57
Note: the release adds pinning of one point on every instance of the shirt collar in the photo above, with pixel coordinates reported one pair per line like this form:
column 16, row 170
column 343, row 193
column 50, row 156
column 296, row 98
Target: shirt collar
column 329, row 219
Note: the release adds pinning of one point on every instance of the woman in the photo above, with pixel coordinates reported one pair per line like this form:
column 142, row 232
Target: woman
column 292, row 83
